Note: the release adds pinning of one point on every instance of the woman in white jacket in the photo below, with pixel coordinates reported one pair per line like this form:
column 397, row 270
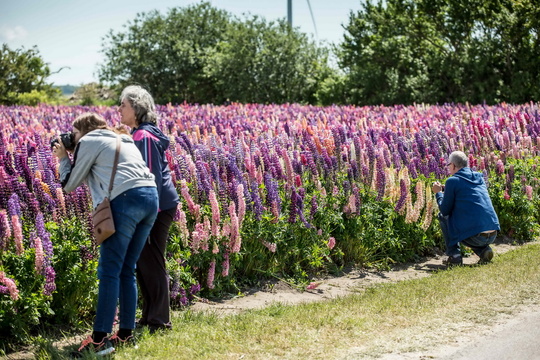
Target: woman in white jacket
column 134, row 205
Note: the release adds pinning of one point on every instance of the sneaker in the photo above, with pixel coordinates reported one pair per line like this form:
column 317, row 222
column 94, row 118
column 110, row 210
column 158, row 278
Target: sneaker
column 452, row 261
column 486, row 255
column 99, row 349
column 118, row 342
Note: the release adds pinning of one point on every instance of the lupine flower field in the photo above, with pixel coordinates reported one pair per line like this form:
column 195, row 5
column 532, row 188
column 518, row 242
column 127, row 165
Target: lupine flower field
column 267, row 191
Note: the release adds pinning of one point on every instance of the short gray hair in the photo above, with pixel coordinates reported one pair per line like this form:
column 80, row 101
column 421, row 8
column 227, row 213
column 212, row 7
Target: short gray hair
column 459, row 159
column 142, row 102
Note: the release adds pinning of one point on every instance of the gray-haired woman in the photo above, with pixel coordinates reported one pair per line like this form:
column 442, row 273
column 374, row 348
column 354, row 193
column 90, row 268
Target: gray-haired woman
column 137, row 110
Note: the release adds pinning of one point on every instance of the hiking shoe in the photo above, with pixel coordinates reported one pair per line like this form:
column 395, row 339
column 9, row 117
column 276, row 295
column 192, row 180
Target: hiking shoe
column 452, row 261
column 99, row 349
column 118, row 342
column 486, row 255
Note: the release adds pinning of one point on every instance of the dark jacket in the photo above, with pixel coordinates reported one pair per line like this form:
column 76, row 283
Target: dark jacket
column 467, row 204
column 152, row 144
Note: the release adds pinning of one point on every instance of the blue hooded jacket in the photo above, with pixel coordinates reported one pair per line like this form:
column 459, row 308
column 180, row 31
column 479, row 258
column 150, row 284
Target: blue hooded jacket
column 467, row 204
column 152, row 144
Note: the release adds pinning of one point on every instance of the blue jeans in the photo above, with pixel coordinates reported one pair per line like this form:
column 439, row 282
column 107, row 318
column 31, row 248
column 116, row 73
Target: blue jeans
column 477, row 243
column 134, row 212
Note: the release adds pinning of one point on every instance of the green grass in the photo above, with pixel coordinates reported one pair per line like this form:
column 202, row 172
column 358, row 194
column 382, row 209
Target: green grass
column 407, row 316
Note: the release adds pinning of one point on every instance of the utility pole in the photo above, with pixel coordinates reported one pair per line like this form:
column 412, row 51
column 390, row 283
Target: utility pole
column 289, row 12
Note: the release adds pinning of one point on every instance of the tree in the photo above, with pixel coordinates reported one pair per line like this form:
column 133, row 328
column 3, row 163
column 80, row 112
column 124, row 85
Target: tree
column 23, row 75
column 200, row 54
column 436, row 51
column 261, row 62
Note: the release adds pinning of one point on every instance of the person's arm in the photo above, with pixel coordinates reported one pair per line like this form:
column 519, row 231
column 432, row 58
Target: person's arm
column 446, row 200
column 73, row 174
column 151, row 152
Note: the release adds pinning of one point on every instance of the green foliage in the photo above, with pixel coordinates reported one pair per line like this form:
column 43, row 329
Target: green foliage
column 519, row 216
column 36, row 97
column 199, row 54
column 23, row 75
column 431, row 51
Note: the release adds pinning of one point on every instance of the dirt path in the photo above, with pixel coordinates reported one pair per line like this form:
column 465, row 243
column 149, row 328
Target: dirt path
column 353, row 281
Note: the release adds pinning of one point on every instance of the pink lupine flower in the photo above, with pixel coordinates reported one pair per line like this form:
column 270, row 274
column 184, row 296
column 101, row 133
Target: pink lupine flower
column 193, row 208
column 506, row 195
column 211, row 274
column 500, row 167
column 241, row 204
column 225, row 265
column 10, row 284
column 40, row 257
column 5, row 229
column 270, row 246
column 529, row 192
column 352, row 204
column 17, row 233
column 235, row 240
column 331, row 242
column 182, row 224
column 61, row 201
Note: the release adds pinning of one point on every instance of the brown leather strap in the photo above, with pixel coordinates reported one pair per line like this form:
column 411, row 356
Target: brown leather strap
column 115, row 164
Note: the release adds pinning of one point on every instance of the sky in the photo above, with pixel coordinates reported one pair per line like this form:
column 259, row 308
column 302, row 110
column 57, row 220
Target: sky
column 69, row 33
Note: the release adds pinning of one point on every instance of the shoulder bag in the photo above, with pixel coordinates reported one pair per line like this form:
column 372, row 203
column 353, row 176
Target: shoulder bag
column 102, row 215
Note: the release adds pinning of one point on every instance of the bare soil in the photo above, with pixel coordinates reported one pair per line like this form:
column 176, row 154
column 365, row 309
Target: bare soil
column 350, row 282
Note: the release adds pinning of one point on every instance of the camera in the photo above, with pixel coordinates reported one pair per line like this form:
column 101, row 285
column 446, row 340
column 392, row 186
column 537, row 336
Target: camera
column 68, row 140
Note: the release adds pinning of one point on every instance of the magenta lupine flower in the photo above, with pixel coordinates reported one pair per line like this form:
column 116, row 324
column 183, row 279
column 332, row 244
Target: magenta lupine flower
column 10, row 285
column 225, row 265
column 331, row 242
column 50, row 285
column 5, row 229
column 506, row 195
column 211, row 274
column 215, row 213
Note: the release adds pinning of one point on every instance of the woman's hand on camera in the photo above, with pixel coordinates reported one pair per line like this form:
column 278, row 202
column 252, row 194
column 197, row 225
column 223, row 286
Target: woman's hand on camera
column 59, row 150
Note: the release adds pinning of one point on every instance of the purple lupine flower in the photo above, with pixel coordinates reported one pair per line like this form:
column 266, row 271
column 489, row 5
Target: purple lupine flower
column 420, row 144
column 50, row 285
column 257, row 204
column 402, row 196
column 310, row 162
column 300, row 206
column 381, row 178
column 14, row 206
column 292, row 207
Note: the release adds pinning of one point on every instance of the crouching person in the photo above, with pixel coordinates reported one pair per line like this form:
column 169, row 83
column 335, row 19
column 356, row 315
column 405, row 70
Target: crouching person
column 466, row 214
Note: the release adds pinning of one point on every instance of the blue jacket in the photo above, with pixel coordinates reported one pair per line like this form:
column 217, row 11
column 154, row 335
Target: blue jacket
column 152, row 144
column 467, row 204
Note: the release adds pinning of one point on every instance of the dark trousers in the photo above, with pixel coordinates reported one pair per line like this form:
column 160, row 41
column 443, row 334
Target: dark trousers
column 152, row 273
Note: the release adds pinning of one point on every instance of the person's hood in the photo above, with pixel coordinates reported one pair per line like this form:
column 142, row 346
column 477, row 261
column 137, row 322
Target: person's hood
column 467, row 174
column 153, row 129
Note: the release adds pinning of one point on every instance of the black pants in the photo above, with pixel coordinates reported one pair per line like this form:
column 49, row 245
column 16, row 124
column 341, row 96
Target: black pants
column 152, row 274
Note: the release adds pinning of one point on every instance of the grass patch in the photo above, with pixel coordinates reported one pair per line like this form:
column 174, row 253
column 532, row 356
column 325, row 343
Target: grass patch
column 406, row 316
